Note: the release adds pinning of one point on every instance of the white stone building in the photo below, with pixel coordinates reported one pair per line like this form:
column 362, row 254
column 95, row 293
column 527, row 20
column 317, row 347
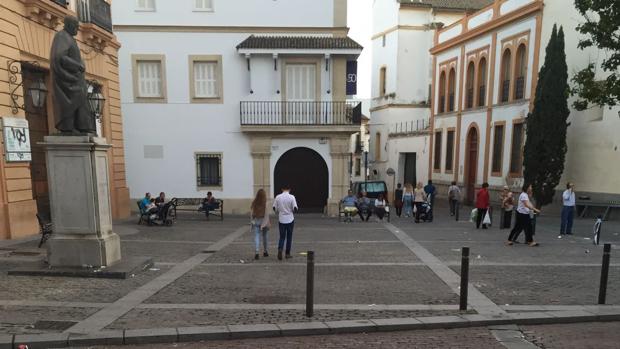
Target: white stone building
column 485, row 70
column 230, row 96
column 401, row 78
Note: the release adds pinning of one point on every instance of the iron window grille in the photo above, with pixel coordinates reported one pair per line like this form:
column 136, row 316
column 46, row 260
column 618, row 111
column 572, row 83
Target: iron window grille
column 209, row 170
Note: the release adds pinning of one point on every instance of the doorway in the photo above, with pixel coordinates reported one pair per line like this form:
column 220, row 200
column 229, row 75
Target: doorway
column 38, row 129
column 305, row 171
column 471, row 164
column 410, row 169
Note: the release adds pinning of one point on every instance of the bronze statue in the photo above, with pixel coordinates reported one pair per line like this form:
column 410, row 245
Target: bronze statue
column 69, row 98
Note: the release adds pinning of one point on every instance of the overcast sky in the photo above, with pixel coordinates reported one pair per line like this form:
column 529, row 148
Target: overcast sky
column 360, row 22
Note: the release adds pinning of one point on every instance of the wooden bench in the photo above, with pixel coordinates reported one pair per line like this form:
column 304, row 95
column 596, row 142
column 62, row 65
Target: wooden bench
column 194, row 205
column 586, row 204
column 341, row 214
column 45, row 229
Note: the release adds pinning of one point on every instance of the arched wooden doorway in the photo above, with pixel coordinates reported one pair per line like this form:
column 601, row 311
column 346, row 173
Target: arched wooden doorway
column 305, row 171
column 471, row 164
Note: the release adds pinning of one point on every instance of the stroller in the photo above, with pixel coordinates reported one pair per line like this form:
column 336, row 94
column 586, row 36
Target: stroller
column 426, row 213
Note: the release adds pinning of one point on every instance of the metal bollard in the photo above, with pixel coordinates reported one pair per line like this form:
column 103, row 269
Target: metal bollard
column 464, row 277
column 457, row 209
column 602, row 290
column 310, row 285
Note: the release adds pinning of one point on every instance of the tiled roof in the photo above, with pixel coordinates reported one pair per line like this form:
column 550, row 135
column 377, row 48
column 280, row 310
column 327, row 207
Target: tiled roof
column 298, row 42
column 448, row 4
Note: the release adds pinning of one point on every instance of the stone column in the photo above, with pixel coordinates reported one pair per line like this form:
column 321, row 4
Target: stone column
column 77, row 172
column 339, row 150
column 261, row 155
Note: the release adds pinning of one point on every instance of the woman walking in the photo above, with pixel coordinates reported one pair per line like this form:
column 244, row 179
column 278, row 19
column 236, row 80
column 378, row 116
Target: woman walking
column 408, row 199
column 419, row 197
column 260, row 222
column 482, row 204
column 524, row 220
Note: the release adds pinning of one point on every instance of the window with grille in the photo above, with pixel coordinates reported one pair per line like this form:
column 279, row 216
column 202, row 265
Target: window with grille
column 451, row 89
column 149, row 79
column 506, row 66
column 516, row 157
column 209, row 170
column 449, row 150
column 145, row 5
column 442, row 93
column 205, row 80
column 520, row 71
column 470, row 86
column 437, row 162
column 482, row 82
column 203, row 5
column 382, row 82
column 498, row 146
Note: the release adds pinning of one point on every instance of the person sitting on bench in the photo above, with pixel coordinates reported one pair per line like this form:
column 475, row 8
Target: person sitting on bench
column 147, row 205
column 209, row 204
column 349, row 208
column 363, row 206
column 380, row 207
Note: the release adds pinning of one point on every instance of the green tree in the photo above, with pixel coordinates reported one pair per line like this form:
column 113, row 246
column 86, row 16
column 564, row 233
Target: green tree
column 602, row 30
column 545, row 143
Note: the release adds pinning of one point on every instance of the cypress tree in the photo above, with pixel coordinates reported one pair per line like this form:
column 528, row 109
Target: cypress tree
column 545, row 144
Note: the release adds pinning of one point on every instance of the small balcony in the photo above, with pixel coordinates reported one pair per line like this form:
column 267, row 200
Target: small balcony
column 300, row 114
column 96, row 12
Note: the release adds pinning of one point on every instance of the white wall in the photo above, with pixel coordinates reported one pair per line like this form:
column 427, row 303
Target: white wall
column 244, row 13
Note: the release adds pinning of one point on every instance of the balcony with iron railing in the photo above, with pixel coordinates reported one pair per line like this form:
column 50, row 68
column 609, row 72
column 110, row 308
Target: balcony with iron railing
column 451, row 102
column 505, row 91
column 470, row 98
column 409, row 128
column 257, row 115
column 96, row 12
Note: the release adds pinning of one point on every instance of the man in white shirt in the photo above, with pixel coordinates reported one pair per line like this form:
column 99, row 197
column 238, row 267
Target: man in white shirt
column 285, row 205
column 568, row 210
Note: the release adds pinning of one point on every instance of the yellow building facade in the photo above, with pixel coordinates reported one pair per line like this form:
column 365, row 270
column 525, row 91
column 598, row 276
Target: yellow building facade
column 27, row 28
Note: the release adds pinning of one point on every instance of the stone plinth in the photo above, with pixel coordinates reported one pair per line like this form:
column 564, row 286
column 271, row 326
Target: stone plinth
column 77, row 174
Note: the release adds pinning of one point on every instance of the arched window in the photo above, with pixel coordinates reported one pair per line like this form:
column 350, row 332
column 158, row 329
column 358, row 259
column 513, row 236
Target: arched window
column 521, row 62
column 471, row 73
column 482, row 82
column 451, row 88
column 442, row 92
column 505, row 77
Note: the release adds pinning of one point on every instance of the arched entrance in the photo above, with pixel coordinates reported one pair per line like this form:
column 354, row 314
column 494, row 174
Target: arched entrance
column 471, row 163
column 305, row 171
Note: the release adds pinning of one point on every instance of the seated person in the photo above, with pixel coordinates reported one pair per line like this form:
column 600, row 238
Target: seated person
column 363, row 206
column 349, row 206
column 380, row 207
column 146, row 201
column 161, row 199
column 209, row 204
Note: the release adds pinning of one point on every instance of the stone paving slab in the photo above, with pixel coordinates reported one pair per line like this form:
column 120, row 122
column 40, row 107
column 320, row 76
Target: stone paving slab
column 98, row 338
column 599, row 335
column 201, row 333
column 6, row 341
column 152, row 335
column 351, row 326
column 543, row 285
column 253, row 331
column 324, row 253
column 21, row 320
column 42, row 341
column 286, row 284
column 303, row 328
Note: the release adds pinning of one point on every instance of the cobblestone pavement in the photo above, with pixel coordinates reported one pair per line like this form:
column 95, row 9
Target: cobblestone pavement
column 469, row 338
column 356, row 264
column 596, row 335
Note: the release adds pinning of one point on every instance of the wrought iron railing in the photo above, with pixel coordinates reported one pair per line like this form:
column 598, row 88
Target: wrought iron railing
column 470, row 98
column 300, row 113
column 505, row 91
column 409, row 127
column 442, row 104
column 519, row 88
column 96, row 12
column 451, row 102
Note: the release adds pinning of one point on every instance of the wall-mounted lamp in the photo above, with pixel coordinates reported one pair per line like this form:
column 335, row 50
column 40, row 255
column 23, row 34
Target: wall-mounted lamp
column 37, row 91
column 96, row 100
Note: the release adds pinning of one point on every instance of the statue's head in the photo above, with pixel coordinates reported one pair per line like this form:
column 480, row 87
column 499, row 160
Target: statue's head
column 72, row 25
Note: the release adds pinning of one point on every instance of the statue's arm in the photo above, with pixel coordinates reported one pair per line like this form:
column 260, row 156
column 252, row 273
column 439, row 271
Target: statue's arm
column 72, row 65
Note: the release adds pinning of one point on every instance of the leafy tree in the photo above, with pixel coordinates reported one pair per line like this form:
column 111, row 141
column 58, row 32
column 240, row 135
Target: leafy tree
column 602, row 28
column 545, row 143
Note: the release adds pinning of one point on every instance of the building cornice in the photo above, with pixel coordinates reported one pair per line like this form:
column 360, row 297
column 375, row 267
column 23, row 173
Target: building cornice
column 229, row 29
column 401, row 105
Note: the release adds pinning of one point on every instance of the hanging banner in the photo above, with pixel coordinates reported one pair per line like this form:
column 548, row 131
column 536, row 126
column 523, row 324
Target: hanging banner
column 351, row 78
column 16, row 139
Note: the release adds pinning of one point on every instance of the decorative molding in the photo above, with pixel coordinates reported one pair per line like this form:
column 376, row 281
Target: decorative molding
column 46, row 13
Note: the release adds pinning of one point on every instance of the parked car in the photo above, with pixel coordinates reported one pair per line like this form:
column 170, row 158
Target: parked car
column 372, row 188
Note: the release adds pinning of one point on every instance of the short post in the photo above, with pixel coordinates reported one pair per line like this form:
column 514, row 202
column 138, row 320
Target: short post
column 464, row 277
column 457, row 208
column 602, row 290
column 310, row 285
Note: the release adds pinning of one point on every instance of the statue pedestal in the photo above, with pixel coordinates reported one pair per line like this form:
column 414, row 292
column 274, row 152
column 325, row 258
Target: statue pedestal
column 77, row 174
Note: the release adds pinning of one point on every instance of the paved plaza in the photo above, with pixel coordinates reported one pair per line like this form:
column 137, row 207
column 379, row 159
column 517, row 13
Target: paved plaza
column 205, row 275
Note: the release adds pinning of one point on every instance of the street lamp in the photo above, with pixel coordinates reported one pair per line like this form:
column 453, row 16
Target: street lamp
column 37, row 92
column 96, row 99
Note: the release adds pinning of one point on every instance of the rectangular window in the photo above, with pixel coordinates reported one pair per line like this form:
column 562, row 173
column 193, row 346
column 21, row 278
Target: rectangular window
column 449, row 150
column 358, row 166
column 301, row 82
column 149, row 79
column 209, row 170
column 437, row 162
column 145, row 5
column 498, row 149
column 203, row 5
column 206, row 78
column 516, row 153
column 382, row 78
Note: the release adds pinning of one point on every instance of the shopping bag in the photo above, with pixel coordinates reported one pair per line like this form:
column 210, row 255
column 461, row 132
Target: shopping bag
column 487, row 218
column 473, row 215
